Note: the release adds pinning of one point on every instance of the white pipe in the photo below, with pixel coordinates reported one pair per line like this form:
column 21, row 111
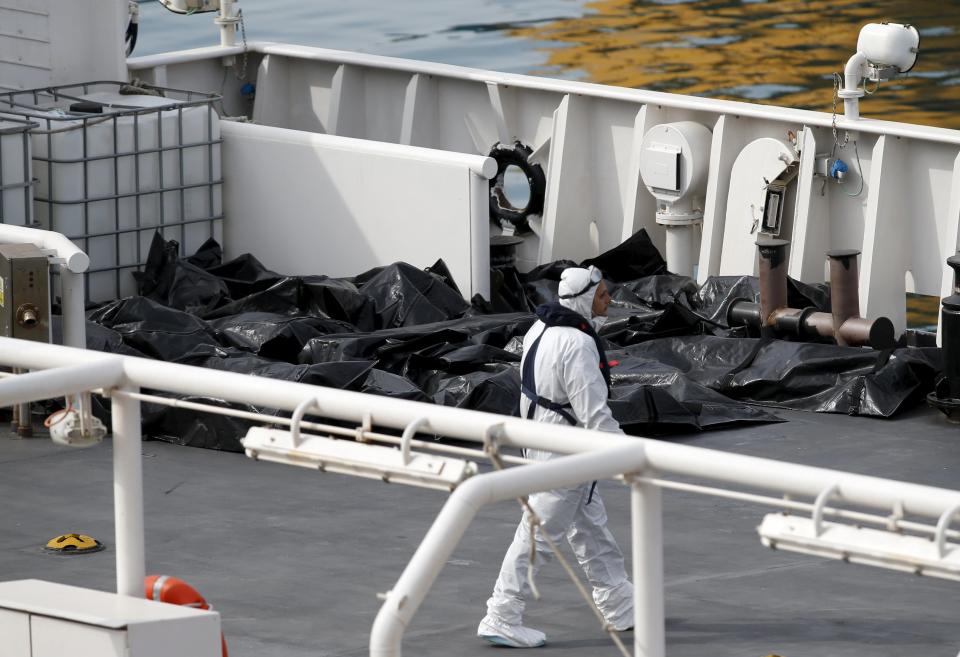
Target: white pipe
column 73, row 258
column 73, row 297
column 649, row 635
column 286, row 395
column 61, row 382
column 680, row 249
column 873, row 492
column 408, row 433
column 128, row 495
column 443, row 536
column 227, row 21
column 851, row 92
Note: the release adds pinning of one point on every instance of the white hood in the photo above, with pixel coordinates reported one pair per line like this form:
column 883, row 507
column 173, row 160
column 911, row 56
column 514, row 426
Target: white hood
column 573, row 280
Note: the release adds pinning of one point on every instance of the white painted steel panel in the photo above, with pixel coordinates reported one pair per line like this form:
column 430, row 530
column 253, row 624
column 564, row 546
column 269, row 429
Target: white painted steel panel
column 307, row 204
column 14, row 634
column 887, row 238
column 73, row 620
column 759, row 162
column 89, row 606
column 52, row 637
column 49, row 42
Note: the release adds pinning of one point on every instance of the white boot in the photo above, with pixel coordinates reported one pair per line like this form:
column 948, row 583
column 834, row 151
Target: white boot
column 511, row 636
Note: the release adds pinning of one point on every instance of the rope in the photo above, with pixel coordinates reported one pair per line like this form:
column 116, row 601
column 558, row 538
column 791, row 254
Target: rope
column 490, row 447
column 60, row 415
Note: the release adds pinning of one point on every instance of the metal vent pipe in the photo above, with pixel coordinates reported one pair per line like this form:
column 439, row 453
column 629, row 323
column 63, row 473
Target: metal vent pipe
column 773, row 280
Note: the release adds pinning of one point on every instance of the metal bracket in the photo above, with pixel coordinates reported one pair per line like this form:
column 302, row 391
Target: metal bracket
column 893, row 520
column 365, row 427
column 818, row 506
column 940, row 537
column 408, row 433
column 298, row 413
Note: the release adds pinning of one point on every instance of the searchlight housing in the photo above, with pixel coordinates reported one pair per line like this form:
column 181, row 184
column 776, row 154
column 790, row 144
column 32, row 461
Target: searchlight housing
column 228, row 20
column 191, row 6
column 884, row 50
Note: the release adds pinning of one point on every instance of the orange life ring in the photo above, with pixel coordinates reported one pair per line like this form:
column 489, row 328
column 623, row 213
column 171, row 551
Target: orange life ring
column 172, row 590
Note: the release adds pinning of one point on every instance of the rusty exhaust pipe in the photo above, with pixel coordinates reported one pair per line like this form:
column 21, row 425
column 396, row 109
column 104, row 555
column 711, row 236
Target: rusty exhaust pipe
column 849, row 328
column 842, row 324
column 844, row 289
column 773, row 281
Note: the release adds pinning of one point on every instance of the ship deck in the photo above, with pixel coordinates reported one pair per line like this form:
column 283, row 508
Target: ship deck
column 293, row 559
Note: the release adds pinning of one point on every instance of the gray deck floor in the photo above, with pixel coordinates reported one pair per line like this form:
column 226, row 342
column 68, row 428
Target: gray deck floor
column 293, row 559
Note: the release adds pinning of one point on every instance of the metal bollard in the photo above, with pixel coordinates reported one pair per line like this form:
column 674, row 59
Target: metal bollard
column 946, row 396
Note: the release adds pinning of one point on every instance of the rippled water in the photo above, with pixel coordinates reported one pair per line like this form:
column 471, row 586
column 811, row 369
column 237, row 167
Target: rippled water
column 781, row 52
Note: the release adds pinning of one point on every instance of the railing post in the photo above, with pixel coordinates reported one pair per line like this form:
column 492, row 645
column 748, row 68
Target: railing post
column 128, row 494
column 647, row 523
column 72, row 297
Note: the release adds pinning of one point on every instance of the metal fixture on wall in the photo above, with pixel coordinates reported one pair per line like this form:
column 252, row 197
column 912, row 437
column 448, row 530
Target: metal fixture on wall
column 24, row 308
column 675, row 159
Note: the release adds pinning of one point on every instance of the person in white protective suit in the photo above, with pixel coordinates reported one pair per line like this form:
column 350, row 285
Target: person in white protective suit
column 565, row 380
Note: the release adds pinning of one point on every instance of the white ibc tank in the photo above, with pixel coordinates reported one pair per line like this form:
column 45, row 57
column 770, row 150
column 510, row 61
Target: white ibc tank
column 16, row 192
column 110, row 182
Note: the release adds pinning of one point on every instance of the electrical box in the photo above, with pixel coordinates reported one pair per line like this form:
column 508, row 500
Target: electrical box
column 773, row 209
column 661, row 166
column 24, row 293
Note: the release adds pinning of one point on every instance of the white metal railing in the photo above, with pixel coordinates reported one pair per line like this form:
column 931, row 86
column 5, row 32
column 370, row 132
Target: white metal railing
column 593, row 455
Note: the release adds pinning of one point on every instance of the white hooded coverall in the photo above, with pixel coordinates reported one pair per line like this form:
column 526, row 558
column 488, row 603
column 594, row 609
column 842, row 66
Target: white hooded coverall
column 567, row 368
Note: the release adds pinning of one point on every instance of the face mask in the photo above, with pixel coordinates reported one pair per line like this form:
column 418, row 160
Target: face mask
column 598, row 322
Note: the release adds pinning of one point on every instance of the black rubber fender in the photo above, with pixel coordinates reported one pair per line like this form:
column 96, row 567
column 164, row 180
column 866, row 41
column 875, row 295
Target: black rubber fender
column 516, row 154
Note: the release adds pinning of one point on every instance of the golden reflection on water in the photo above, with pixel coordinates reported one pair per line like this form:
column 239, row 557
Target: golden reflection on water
column 782, row 52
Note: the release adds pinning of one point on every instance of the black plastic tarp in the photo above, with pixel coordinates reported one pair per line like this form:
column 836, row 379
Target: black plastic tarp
column 406, row 296
column 153, row 329
column 795, row 375
column 403, row 332
column 272, row 335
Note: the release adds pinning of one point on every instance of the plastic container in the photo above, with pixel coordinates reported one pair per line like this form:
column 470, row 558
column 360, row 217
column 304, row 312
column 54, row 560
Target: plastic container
column 16, row 191
column 112, row 168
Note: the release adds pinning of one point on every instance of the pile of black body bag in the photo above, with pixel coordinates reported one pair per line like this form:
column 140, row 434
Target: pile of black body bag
column 400, row 331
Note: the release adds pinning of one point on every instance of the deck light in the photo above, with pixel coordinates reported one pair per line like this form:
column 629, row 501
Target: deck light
column 871, row 547
column 359, row 459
